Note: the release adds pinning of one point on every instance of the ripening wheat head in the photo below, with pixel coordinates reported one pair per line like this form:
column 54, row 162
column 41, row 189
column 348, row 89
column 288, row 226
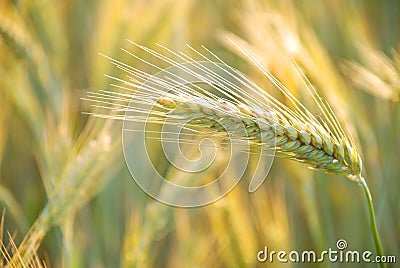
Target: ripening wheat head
column 234, row 103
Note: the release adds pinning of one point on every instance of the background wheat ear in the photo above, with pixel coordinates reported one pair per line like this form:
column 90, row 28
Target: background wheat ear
column 380, row 75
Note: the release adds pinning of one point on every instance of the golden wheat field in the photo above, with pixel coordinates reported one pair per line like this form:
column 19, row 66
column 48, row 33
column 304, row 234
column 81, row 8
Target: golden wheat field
column 317, row 82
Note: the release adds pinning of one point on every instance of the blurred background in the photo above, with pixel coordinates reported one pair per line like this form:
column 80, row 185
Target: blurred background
column 68, row 198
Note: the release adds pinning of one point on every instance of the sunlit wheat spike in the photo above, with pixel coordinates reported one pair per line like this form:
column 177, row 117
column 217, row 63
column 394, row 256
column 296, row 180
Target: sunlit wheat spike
column 380, row 76
column 234, row 100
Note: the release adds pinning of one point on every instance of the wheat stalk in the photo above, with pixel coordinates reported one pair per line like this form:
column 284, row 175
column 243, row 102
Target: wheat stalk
column 236, row 103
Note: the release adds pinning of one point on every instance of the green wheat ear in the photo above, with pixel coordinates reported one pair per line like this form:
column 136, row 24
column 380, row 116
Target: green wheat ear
column 320, row 143
column 295, row 133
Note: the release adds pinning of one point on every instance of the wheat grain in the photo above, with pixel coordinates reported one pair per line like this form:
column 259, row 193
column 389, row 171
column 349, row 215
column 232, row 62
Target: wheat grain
column 294, row 139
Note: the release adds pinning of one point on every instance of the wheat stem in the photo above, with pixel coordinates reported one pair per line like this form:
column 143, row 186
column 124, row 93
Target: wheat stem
column 374, row 228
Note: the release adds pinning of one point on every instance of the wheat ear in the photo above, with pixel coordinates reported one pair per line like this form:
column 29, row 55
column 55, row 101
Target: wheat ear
column 296, row 133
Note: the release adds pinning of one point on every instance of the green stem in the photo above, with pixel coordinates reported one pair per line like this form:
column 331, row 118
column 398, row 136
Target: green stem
column 374, row 229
